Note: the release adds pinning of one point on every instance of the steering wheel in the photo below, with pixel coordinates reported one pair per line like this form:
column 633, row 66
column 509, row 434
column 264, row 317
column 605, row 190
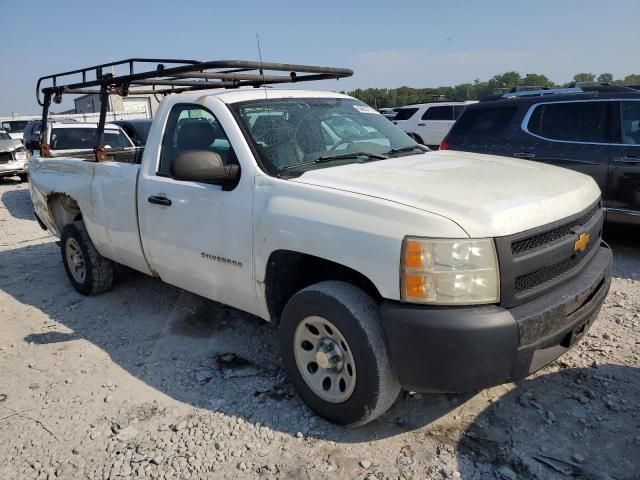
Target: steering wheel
column 338, row 143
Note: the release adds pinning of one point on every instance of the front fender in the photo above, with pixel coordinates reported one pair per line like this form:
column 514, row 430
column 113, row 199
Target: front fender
column 359, row 232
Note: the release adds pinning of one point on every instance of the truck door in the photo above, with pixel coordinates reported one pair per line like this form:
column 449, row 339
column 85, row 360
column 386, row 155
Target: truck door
column 435, row 124
column 624, row 169
column 195, row 235
column 571, row 134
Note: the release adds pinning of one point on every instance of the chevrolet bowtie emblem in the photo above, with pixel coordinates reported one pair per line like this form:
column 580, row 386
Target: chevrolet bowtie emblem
column 582, row 242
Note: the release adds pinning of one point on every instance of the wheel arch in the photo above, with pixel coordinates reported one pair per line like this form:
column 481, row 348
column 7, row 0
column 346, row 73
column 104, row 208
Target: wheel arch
column 290, row 271
column 63, row 209
column 416, row 137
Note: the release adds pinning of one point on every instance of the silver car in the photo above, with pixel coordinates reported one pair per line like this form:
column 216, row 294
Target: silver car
column 13, row 157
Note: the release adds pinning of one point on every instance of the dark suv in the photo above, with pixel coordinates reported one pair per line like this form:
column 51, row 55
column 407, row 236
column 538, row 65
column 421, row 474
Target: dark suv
column 594, row 130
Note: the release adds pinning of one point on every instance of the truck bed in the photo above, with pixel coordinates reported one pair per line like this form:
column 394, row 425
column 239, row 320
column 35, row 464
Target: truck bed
column 106, row 195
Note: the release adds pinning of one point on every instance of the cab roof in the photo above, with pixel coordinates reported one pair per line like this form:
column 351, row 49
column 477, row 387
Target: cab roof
column 248, row 94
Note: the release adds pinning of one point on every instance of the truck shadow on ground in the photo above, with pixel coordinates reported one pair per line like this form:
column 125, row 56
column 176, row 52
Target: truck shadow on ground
column 196, row 351
column 17, row 202
column 217, row 358
column 577, row 422
column 220, row 359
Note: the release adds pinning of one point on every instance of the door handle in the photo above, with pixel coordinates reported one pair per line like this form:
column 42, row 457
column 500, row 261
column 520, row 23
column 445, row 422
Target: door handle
column 627, row 159
column 525, row 155
column 159, row 200
column 422, row 124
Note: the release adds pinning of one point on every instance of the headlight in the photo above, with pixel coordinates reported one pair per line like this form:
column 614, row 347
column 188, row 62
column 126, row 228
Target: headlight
column 449, row 272
column 21, row 154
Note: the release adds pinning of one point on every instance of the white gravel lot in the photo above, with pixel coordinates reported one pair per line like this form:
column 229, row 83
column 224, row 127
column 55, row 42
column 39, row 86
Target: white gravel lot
column 149, row 381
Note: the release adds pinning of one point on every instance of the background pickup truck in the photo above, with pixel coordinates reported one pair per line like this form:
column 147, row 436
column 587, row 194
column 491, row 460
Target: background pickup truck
column 383, row 266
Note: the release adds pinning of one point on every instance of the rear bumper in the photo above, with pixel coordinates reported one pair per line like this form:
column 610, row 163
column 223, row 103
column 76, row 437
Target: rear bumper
column 460, row 349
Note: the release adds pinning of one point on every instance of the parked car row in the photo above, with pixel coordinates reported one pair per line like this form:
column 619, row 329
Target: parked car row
column 64, row 137
column 429, row 123
column 77, row 135
column 592, row 130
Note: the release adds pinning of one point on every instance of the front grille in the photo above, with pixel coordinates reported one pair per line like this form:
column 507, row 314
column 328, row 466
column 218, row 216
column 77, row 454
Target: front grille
column 535, row 261
column 550, row 272
column 536, row 241
column 5, row 157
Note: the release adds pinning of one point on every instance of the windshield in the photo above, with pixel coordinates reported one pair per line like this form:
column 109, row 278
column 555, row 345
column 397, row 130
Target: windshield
column 84, row 139
column 304, row 132
column 14, row 126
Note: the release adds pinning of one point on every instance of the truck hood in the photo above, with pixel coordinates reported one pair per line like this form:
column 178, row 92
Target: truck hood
column 9, row 145
column 486, row 195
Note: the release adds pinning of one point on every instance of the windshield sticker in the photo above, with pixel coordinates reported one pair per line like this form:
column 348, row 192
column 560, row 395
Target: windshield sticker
column 365, row 109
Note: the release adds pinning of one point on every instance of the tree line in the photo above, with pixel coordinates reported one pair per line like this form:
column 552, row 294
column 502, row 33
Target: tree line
column 393, row 97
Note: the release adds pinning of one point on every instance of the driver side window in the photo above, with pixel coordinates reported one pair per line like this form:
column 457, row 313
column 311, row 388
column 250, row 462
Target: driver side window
column 193, row 127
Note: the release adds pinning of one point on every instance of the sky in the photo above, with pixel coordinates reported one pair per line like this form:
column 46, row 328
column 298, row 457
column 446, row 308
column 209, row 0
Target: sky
column 388, row 43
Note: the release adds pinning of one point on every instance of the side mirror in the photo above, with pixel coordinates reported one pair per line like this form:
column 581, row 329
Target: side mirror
column 204, row 166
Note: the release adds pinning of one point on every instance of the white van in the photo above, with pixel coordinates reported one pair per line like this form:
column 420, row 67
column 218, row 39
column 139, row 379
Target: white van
column 429, row 123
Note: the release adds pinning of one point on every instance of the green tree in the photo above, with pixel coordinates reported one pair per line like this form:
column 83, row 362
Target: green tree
column 396, row 97
column 584, row 77
column 535, row 79
column 605, row 78
column 507, row 80
column 633, row 79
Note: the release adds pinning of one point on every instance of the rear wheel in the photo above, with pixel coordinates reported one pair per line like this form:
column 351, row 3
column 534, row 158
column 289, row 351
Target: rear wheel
column 335, row 353
column 88, row 271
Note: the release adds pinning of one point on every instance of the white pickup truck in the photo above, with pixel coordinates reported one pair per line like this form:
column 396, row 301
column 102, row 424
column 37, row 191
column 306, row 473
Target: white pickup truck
column 383, row 266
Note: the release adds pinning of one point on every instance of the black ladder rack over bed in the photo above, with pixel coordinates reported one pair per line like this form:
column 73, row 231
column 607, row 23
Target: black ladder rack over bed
column 165, row 76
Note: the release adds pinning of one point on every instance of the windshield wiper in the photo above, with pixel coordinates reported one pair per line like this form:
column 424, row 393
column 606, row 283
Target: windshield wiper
column 330, row 158
column 408, row 149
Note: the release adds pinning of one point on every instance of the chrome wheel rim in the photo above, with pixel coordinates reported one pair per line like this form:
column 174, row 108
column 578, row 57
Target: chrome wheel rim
column 75, row 260
column 324, row 359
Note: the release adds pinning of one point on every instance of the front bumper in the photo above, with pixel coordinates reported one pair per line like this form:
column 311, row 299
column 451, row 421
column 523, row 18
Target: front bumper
column 13, row 168
column 461, row 349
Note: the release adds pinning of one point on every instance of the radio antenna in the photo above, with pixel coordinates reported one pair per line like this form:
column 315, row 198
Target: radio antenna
column 264, row 86
column 260, row 56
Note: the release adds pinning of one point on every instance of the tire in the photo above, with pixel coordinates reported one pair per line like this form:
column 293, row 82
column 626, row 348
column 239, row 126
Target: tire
column 76, row 246
column 24, row 177
column 371, row 386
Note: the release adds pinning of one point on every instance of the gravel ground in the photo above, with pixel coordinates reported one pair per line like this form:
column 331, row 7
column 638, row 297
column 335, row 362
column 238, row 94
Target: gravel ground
column 149, row 381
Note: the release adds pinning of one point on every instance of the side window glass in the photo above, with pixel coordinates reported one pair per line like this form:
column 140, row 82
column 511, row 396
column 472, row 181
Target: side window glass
column 443, row 112
column 574, row 122
column 192, row 127
column 405, row 113
column 630, row 122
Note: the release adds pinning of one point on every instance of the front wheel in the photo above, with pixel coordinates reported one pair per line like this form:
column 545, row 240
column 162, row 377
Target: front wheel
column 88, row 271
column 335, row 352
